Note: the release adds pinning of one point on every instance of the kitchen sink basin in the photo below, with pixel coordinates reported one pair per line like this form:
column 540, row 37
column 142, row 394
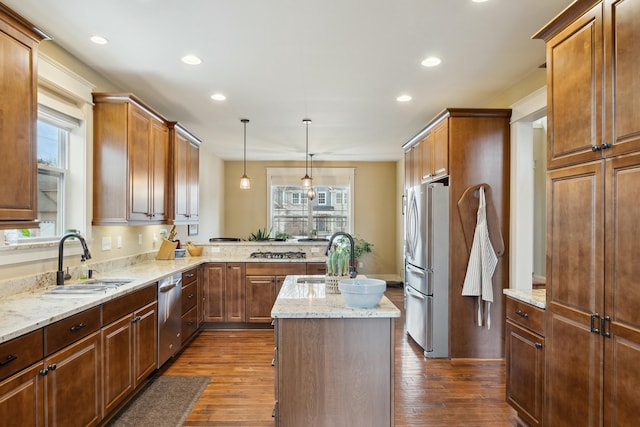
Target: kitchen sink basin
column 310, row 279
column 88, row 287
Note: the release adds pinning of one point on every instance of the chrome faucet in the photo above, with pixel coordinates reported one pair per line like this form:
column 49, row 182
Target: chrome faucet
column 352, row 253
column 60, row 276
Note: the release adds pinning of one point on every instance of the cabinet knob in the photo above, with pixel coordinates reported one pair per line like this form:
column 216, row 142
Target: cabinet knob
column 538, row 345
column 606, row 145
column 595, row 148
column 43, row 372
column 52, row 367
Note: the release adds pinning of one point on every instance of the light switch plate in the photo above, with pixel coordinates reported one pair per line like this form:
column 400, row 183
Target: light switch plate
column 106, row 243
column 119, row 242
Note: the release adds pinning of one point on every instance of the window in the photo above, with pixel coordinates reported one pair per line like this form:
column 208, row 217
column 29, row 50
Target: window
column 338, row 197
column 291, row 212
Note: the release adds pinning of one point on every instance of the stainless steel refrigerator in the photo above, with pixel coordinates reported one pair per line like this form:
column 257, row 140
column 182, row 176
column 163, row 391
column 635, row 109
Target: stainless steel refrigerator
column 427, row 268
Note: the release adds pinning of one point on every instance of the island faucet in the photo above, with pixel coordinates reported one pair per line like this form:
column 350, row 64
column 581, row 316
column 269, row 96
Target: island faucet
column 60, row 276
column 352, row 254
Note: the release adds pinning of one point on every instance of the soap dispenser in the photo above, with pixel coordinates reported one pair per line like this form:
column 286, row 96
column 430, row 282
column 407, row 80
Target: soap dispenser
column 84, row 268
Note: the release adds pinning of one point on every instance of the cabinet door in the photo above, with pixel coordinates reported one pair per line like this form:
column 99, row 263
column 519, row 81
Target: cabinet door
column 73, row 385
column 575, row 103
column 145, row 324
column 181, row 177
column 117, row 342
column 22, row 397
column 426, row 155
column 440, row 150
column 575, row 277
column 622, row 297
column 407, row 169
column 261, row 294
column 623, row 68
column 215, row 278
column 159, row 149
column 524, row 361
column 194, row 181
column 139, row 173
column 18, row 117
column 235, row 293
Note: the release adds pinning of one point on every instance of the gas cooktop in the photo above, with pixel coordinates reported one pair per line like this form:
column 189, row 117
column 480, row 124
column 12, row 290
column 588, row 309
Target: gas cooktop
column 278, row 255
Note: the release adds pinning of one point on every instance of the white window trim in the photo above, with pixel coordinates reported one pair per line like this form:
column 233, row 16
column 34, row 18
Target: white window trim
column 299, row 172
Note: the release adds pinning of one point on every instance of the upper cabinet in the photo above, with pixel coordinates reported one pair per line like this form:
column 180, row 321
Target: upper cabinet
column 427, row 153
column 593, row 114
column 185, row 154
column 131, row 162
column 18, row 144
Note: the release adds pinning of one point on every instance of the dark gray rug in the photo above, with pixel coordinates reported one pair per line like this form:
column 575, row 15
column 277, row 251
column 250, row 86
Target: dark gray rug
column 165, row 402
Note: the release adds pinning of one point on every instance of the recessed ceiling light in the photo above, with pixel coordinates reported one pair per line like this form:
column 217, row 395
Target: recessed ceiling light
column 99, row 40
column 218, row 97
column 404, row 98
column 431, row 61
column 191, row 60
column 479, row 1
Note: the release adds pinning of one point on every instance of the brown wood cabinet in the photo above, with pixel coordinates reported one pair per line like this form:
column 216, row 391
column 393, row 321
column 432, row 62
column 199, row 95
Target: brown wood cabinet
column 316, row 268
column 263, row 283
column 470, row 147
column 524, row 360
column 19, row 41
column 224, row 292
column 130, row 344
column 593, row 325
column 328, row 354
column 131, row 166
column 185, row 149
column 435, row 152
column 191, row 302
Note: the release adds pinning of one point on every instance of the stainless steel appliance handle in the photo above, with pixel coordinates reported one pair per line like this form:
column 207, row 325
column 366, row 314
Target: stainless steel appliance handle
column 167, row 288
column 414, row 270
column 414, row 293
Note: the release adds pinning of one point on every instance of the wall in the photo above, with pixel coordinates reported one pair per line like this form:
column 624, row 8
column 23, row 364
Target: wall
column 377, row 204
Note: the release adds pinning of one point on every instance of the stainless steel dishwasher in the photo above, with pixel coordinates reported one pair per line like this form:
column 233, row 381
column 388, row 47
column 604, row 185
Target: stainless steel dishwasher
column 169, row 316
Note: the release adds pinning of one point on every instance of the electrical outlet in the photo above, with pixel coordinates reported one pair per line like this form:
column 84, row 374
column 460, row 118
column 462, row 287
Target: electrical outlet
column 140, row 239
column 119, row 242
column 215, row 249
column 106, row 243
column 360, row 264
column 315, row 250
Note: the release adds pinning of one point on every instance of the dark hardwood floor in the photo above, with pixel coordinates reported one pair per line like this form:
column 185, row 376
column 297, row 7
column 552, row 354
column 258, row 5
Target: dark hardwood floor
column 428, row 392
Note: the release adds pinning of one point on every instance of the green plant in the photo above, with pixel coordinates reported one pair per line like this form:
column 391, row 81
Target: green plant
column 260, row 235
column 360, row 246
column 283, row 236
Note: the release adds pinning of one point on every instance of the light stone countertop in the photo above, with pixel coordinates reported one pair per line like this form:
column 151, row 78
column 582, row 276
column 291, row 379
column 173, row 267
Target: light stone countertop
column 310, row 300
column 535, row 297
column 27, row 311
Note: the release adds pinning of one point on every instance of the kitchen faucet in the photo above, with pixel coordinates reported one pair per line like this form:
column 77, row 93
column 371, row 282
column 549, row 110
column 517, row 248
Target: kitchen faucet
column 60, row 276
column 352, row 253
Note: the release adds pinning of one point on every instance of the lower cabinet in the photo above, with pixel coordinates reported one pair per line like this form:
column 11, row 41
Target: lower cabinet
column 263, row 282
column 21, row 397
column 224, row 292
column 524, row 358
column 191, row 302
column 73, row 384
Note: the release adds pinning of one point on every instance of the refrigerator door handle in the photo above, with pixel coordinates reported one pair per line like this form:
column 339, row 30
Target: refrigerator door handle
column 416, row 271
column 415, row 294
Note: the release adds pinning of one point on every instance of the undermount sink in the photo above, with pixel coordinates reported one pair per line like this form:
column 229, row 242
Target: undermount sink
column 88, row 287
column 310, row 279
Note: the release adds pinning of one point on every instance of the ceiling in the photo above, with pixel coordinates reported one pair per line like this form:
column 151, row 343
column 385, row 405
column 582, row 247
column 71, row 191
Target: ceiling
column 341, row 63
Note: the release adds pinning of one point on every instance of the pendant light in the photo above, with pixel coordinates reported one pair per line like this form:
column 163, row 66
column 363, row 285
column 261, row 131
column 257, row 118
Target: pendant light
column 311, row 193
column 245, row 181
column 306, row 179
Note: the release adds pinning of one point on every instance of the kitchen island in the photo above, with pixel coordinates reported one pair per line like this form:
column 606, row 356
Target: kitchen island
column 334, row 364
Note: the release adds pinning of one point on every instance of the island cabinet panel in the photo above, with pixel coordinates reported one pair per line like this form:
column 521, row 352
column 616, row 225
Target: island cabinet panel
column 18, row 117
column 334, row 372
column 593, row 326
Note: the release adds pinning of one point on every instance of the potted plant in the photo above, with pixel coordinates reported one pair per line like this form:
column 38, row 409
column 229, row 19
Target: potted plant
column 339, row 257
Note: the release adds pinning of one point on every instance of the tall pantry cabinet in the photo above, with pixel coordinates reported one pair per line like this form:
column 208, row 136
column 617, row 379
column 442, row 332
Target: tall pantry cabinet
column 593, row 192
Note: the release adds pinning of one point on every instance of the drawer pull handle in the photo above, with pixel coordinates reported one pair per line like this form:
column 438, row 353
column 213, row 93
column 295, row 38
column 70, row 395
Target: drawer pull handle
column 273, row 362
column 76, row 328
column 9, row 358
column 538, row 345
column 522, row 314
column 190, row 275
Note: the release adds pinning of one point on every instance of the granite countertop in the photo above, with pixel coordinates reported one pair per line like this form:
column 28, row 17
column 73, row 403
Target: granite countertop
column 27, row 311
column 310, row 300
column 535, row 297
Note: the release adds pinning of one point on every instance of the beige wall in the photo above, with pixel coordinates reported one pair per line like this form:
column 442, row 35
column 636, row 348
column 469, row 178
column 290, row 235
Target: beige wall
column 377, row 204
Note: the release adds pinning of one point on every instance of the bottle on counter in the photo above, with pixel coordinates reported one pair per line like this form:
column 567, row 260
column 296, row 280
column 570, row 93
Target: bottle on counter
column 84, row 269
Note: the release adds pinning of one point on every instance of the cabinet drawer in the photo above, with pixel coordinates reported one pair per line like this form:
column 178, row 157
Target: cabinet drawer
column 316, row 268
column 189, row 276
column 115, row 309
column 189, row 297
column 189, row 324
column 525, row 315
column 275, row 268
column 71, row 329
column 20, row 352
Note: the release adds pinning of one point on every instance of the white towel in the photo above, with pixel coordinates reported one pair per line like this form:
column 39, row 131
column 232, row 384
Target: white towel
column 482, row 263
